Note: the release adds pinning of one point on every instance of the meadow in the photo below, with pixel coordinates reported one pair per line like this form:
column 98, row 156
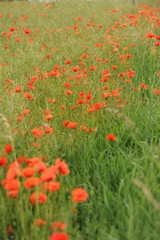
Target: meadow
column 80, row 120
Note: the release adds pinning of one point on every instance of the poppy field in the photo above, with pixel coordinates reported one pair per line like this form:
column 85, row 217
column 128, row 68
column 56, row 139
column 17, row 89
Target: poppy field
column 80, row 120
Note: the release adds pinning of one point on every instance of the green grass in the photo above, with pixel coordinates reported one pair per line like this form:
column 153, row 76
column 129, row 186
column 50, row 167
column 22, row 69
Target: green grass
column 118, row 208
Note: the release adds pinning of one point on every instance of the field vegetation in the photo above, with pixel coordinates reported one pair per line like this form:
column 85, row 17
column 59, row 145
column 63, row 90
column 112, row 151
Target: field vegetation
column 80, row 120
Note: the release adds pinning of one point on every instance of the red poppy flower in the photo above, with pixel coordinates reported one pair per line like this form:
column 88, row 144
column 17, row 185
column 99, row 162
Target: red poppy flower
column 39, row 222
column 37, row 132
column 12, row 185
column 144, row 86
column 3, row 161
column 131, row 73
column 49, row 174
column 28, row 172
column 59, row 225
column 62, row 167
column 111, row 137
column 150, row 35
column 52, row 186
column 8, row 148
column 67, row 61
column 59, row 236
column 12, row 194
column 27, row 31
column 32, row 182
column 79, row 195
column 18, row 89
column 9, row 230
column 69, row 92
column 40, row 197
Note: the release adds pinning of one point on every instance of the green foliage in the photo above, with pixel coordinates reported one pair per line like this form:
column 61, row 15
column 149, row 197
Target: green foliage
column 117, row 209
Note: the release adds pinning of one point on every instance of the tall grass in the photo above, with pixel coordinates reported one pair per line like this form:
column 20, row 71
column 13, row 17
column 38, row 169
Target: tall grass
column 121, row 177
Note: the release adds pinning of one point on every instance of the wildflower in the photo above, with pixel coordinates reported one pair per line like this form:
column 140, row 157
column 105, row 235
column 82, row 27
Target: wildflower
column 156, row 91
column 106, row 95
column 32, row 161
column 39, row 166
column 48, row 117
column 91, row 130
column 84, row 128
column 67, row 61
column 59, row 236
column 131, row 73
column 150, row 35
column 90, row 110
column 99, row 59
column 37, row 132
column 59, row 225
column 18, row 89
column 75, row 69
column 28, row 96
column 3, row 161
column 65, row 123
column 28, row 172
column 32, row 182
column 80, row 101
column 72, row 125
column 12, row 172
column 81, row 95
column 114, row 68
column 27, row 31
column 18, row 39
column 8, row 148
column 49, row 174
column 69, row 92
column 39, row 222
column 40, row 197
column 12, row 185
column 9, row 230
column 62, row 167
column 52, row 186
column 97, row 106
column 144, row 86
column 111, row 137
column 12, row 194
column 88, row 97
column 25, row 112
column 79, row 195
column 19, row 118
column 156, row 44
